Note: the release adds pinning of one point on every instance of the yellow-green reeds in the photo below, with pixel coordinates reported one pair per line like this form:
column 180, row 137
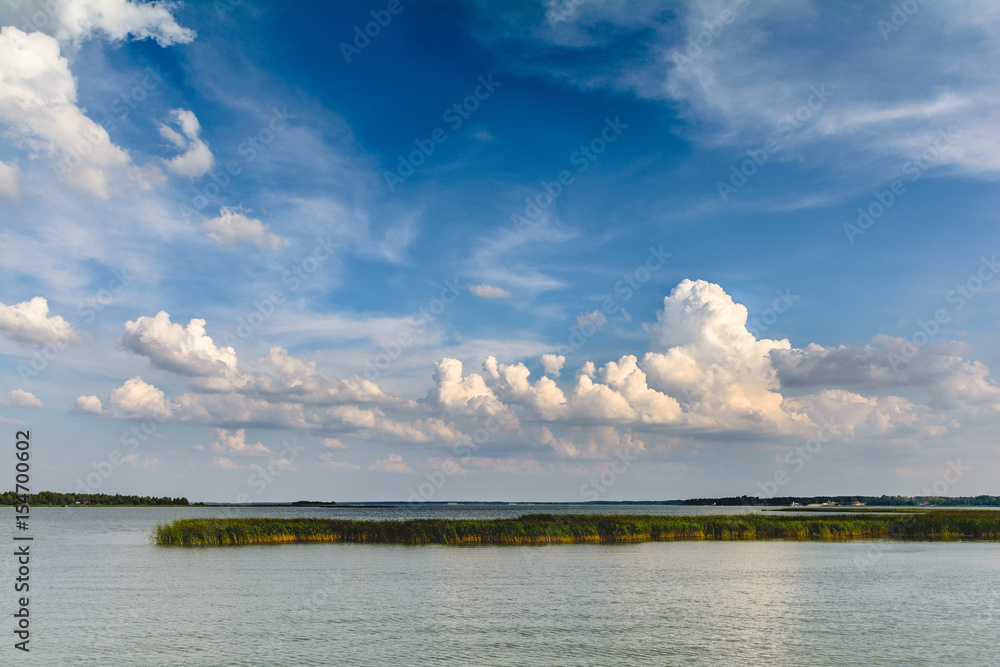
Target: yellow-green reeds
column 594, row 528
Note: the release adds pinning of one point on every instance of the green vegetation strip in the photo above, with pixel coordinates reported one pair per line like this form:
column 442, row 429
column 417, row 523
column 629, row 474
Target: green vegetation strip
column 53, row 499
column 848, row 510
column 569, row 528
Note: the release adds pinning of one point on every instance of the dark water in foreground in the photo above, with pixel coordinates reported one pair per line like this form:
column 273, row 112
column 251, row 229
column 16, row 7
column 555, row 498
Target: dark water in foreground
column 103, row 595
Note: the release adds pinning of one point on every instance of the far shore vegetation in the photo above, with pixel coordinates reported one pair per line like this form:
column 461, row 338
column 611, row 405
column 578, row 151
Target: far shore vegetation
column 582, row 528
column 53, row 499
column 873, row 501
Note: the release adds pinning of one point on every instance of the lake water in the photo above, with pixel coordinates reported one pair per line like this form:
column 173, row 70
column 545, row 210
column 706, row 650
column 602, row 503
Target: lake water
column 102, row 594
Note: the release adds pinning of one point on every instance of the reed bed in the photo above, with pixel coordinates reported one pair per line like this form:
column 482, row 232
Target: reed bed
column 874, row 509
column 579, row 528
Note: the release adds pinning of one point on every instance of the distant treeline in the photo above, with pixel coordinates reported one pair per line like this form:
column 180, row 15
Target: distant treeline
column 51, row 498
column 875, row 501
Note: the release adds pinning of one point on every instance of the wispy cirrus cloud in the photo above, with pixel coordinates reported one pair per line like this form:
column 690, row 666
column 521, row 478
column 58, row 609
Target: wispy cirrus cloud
column 487, row 291
column 735, row 70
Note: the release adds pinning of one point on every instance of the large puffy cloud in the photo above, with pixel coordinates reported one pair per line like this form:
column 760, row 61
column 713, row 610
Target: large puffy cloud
column 543, row 398
column 197, row 158
column 182, row 350
column 29, row 322
column 456, row 394
column 233, row 226
column 621, row 395
column 38, row 93
column 705, row 373
column 704, row 377
column 596, row 402
column 702, row 352
column 704, row 370
column 553, row 363
column 629, row 381
column 140, row 399
column 38, row 107
column 190, row 351
column 282, row 392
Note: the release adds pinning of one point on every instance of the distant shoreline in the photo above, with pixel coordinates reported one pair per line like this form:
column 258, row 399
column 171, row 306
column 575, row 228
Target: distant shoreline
column 54, row 499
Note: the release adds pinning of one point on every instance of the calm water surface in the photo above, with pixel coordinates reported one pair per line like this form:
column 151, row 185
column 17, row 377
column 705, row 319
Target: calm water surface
column 102, row 594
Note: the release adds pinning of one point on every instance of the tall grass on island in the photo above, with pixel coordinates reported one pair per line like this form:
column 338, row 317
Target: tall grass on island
column 593, row 528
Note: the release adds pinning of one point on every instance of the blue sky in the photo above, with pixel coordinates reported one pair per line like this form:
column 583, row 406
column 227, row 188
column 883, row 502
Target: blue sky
column 488, row 250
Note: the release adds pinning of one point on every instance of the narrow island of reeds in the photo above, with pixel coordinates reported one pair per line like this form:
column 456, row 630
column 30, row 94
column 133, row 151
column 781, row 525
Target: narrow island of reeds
column 591, row 528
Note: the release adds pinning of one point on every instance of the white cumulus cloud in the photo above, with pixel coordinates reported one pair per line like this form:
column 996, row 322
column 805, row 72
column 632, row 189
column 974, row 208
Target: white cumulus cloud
column 38, row 106
column 233, row 226
column 332, row 443
column 704, row 377
column 393, row 463
column 38, row 92
column 182, row 350
column 140, row 399
column 29, row 322
column 19, row 398
column 468, row 396
column 197, row 158
column 90, row 405
column 235, row 443
column 553, row 363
